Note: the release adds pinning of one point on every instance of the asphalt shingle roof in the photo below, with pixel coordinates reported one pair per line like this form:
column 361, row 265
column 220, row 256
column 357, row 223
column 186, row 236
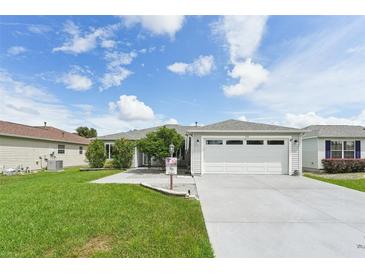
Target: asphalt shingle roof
column 40, row 132
column 339, row 131
column 138, row 134
column 243, row 126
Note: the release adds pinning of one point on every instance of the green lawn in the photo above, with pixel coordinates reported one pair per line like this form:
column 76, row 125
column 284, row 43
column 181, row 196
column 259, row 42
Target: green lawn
column 357, row 184
column 62, row 215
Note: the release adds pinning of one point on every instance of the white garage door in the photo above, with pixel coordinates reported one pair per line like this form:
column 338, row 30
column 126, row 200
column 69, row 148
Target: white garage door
column 250, row 156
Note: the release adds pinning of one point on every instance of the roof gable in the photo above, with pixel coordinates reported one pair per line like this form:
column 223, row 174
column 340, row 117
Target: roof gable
column 339, row 131
column 237, row 125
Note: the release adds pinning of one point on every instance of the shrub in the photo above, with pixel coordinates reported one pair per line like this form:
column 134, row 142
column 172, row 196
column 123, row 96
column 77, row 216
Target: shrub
column 343, row 165
column 95, row 154
column 108, row 164
column 123, row 152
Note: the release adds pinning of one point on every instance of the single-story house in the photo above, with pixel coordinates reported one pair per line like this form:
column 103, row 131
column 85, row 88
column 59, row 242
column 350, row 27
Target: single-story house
column 331, row 142
column 241, row 147
column 140, row 159
column 23, row 146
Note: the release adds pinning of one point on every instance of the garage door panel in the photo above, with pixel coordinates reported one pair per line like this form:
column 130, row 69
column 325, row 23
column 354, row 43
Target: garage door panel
column 246, row 159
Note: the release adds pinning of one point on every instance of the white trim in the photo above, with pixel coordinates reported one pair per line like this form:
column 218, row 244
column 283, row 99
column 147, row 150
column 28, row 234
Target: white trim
column 201, row 156
column 290, row 144
column 300, row 154
column 247, row 131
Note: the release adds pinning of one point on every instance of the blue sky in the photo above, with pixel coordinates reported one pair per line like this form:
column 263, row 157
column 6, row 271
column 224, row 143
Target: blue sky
column 120, row 73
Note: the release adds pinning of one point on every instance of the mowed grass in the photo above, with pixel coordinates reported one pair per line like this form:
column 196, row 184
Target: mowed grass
column 62, row 215
column 357, row 184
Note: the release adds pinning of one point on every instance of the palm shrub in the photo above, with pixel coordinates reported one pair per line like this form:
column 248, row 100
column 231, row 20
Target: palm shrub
column 123, row 152
column 95, row 154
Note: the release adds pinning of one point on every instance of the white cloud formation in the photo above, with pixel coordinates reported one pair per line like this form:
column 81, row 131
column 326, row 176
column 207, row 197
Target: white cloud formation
column 116, row 72
column 130, row 108
column 24, row 103
column 250, row 77
column 39, row 29
column 242, row 118
column 16, row 50
column 316, row 74
column 171, row 121
column 242, row 35
column 157, row 24
column 76, row 81
column 108, row 44
column 312, row 118
column 201, row 66
column 79, row 42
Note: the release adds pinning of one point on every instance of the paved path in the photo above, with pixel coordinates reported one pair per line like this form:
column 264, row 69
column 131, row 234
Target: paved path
column 152, row 177
column 281, row 216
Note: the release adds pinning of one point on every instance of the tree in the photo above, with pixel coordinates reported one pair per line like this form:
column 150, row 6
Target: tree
column 95, row 153
column 123, row 152
column 86, row 132
column 156, row 144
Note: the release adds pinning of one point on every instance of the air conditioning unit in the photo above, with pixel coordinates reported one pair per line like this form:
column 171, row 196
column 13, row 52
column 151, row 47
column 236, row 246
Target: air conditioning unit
column 55, row 165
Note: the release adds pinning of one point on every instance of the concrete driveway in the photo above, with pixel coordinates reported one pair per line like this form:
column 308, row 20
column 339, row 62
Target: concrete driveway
column 152, row 176
column 281, row 216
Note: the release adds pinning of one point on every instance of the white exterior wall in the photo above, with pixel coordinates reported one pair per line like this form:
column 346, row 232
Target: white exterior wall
column 311, row 153
column 295, row 149
column 25, row 152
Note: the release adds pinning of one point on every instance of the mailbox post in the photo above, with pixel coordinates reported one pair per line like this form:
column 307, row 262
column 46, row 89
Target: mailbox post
column 171, row 165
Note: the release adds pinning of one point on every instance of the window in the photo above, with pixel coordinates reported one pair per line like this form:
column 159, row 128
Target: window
column 348, row 149
column 336, row 149
column 234, row 142
column 275, row 142
column 214, row 142
column 255, row 142
column 80, row 149
column 61, row 149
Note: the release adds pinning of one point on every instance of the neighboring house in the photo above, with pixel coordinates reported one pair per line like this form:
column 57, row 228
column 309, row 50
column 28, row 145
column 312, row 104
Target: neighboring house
column 331, row 142
column 234, row 146
column 32, row 146
column 140, row 159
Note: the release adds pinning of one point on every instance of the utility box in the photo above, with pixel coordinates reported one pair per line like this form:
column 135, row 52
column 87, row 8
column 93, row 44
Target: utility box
column 55, row 165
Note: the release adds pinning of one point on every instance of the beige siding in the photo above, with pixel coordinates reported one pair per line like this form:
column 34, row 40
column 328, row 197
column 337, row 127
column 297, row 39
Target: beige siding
column 32, row 153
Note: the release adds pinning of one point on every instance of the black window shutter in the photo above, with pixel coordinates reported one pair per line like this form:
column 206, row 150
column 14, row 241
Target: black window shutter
column 328, row 149
column 357, row 149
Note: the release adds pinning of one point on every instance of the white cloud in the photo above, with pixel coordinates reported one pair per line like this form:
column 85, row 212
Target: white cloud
column 171, row 121
column 316, row 74
column 130, row 108
column 108, row 44
column 76, row 81
column 79, row 42
column 39, row 29
column 250, row 76
column 242, row 118
column 23, row 103
column 157, row 24
column 116, row 72
column 16, row 50
column 311, row 118
column 201, row 66
column 114, row 78
column 242, row 35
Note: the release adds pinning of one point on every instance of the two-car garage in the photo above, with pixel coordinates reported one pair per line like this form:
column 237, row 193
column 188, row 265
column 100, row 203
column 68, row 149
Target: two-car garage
column 242, row 155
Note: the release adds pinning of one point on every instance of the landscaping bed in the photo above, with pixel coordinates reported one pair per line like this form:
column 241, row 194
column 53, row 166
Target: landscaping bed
column 62, row 215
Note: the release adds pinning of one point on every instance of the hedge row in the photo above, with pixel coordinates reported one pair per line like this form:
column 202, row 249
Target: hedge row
column 343, row 165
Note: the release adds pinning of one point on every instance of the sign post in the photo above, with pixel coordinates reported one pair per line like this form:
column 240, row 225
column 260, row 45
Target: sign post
column 171, row 165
